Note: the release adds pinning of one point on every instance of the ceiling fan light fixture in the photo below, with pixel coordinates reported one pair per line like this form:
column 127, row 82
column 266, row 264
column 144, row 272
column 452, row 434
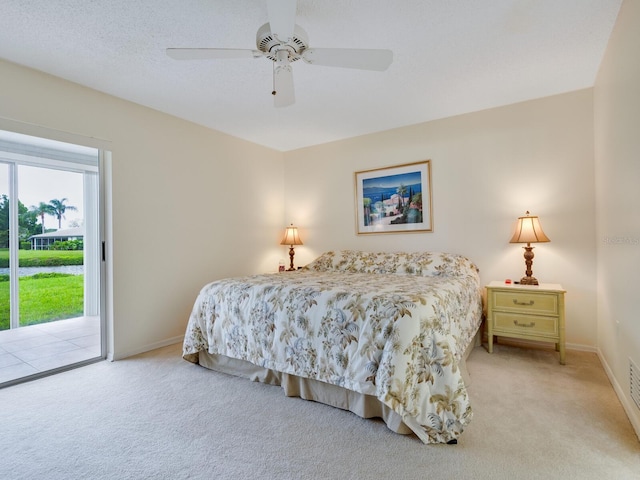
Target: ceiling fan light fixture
column 282, row 57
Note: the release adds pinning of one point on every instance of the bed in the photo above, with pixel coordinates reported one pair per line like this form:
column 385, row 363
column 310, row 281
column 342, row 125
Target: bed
column 380, row 334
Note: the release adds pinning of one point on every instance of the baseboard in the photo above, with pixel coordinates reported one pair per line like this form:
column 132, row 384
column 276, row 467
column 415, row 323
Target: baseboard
column 627, row 404
column 147, row 348
column 544, row 345
column 581, row 348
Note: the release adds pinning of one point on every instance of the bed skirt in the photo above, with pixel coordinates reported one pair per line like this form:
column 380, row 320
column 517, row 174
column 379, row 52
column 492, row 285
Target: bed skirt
column 365, row 406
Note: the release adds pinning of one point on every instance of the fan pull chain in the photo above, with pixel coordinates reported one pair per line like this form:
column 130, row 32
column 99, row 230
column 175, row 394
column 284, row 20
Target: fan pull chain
column 273, row 92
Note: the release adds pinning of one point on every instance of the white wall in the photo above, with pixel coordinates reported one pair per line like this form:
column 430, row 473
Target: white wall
column 617, row 119
column 189, row 204
column 488, row 168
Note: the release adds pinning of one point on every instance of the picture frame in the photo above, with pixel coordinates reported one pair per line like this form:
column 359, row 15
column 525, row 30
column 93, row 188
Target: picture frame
column 394, row 199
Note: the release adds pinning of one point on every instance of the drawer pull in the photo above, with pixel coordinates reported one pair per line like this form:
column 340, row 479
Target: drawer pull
column 526, row 325
column 529, row 303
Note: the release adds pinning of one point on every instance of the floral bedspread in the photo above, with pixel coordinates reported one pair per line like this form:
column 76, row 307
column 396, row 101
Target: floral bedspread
column 389, row 325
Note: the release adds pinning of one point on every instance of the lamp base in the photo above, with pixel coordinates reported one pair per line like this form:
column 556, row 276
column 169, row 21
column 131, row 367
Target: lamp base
column 528, row 279
column 291, row 254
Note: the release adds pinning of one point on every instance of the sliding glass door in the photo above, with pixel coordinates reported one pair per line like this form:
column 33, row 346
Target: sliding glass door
column 5, row 296
column 50, row 265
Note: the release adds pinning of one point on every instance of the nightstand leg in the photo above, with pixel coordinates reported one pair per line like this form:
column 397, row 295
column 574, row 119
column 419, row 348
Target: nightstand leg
column 490, row 342
column 561, row 333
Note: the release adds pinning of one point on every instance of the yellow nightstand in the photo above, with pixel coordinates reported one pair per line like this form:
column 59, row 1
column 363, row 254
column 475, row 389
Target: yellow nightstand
column 529, row 312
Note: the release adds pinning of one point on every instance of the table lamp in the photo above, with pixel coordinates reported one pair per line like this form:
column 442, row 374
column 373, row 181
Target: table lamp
column 291, row 238
column 528, row 230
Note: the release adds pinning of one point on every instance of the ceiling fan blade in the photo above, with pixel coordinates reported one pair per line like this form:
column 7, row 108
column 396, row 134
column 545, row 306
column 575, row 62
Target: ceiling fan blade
column 364, row 59
column 282, row 18
column 211, row 53
column 284, row 94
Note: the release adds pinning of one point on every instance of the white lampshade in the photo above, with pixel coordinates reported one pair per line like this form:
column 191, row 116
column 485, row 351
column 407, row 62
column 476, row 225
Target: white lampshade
column 291, row 236
column 528, row 230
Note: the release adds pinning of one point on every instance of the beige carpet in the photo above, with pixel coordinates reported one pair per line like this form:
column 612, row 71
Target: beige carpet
column 155, row 416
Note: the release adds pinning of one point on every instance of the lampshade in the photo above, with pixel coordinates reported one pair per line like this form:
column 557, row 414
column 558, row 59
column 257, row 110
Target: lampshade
column 291, row 236
column 528, row 230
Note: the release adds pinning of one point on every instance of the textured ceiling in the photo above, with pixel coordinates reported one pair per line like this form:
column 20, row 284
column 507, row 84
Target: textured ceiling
column 450, row 57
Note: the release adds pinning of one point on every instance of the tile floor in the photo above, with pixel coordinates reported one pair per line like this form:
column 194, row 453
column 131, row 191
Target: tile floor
column 34, row 349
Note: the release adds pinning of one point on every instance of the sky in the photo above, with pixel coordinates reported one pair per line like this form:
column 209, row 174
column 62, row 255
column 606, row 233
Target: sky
column 389, row 181
column 37, row 185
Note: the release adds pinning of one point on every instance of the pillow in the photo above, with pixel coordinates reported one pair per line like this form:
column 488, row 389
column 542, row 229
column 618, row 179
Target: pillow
column 423, row 264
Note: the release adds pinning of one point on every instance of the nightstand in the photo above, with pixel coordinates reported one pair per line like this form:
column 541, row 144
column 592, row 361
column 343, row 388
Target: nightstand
column 529, row 312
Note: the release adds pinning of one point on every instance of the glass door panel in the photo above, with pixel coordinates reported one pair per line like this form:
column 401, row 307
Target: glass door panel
column 5, row 298
column 51, row 271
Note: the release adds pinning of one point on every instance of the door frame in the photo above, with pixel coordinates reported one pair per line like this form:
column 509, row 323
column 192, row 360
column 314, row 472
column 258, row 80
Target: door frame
column 104, row 221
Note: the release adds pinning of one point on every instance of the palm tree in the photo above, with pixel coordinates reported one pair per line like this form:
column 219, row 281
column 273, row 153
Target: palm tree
column 401, row 191
column 42, row 210
column 58, row 208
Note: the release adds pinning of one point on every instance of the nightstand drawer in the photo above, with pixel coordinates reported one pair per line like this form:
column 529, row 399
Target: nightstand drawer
column 525, row 324
column 523, row 301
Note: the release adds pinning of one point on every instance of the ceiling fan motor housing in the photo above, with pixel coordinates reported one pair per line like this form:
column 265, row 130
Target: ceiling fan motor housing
column 270, row 44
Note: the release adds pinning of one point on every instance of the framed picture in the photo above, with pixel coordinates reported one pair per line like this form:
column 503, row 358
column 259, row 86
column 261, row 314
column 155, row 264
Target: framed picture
column 394, row 199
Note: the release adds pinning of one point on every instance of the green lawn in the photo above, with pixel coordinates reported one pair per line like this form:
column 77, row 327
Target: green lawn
column 44, row 298
column 43, row 258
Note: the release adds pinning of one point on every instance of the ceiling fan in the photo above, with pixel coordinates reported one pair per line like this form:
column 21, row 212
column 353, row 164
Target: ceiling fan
column 283, row 42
